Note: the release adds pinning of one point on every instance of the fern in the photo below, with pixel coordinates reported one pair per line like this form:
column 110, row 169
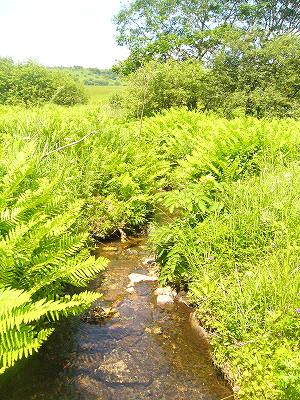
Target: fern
column 20, row 318
column 39, row 256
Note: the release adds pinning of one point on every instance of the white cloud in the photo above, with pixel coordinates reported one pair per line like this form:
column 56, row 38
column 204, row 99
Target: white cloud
column 60, row 32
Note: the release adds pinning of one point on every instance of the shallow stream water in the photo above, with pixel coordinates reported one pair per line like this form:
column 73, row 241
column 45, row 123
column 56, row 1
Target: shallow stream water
column 142, row 352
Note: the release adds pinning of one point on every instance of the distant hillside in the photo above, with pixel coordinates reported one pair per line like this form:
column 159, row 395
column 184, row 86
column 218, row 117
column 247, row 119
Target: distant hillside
column 93, row 76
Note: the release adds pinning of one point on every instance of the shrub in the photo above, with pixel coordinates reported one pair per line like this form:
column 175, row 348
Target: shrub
column 161, row 86
column 31, row 84
column 249, row 75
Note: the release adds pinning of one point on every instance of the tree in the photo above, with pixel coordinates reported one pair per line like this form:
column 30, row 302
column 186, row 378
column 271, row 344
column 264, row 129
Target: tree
column 180, row 29
column 32, row 84
column 260, row 79
column 6, row 68
column 243, row 78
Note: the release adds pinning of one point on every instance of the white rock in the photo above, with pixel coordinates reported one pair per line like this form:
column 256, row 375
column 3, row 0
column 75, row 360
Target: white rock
column 136, row 278
column 165, row 301
column 165, row 290
column 130, row 289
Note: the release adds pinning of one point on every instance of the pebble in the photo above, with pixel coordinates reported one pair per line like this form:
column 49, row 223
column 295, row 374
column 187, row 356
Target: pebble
column 165, row 291
column 136, row 278
column 183, row 299
column 149, row 261
column 157, row 330
column 165, row 301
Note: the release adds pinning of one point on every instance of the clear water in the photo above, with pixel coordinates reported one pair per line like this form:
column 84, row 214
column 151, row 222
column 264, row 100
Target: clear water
column 142, row 353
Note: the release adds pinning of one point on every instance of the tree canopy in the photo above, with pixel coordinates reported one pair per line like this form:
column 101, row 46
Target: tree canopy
column 180, row 29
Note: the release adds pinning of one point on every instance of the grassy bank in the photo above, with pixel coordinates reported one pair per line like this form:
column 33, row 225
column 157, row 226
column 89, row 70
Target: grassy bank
column 234, row 243
column 232, row 189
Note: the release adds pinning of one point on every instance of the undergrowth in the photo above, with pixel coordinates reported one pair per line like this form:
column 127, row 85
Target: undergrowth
column 234, row 242
column 230, row 190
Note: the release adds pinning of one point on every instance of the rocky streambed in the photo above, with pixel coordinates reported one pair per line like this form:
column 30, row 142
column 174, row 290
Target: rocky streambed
column 136, row 343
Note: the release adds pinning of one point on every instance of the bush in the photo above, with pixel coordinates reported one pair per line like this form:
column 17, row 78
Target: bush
column 31, row 84
column 161, row 86
column 260, row 80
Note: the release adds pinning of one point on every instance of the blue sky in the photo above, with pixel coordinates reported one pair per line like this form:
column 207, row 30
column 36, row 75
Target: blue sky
column 60, row 32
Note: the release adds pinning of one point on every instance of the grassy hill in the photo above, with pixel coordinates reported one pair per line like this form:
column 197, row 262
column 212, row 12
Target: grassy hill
column 93, row 76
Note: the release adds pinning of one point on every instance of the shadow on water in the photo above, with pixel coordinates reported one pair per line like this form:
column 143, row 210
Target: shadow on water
column 141, row 353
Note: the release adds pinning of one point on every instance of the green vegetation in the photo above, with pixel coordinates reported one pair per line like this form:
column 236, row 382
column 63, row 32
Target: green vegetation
column 47, row 202
column 31, row 84
column 229, row 85
column 248, row 55
column 215, row 89
column 41, row 251
column 191, row 29
column 232, row 240
column 103, row 94
column 234, row 243
column 161, row 86
column 92, row 76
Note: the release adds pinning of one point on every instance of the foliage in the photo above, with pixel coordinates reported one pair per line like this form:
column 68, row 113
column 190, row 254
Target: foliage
column 229, row 190
column 249, row 51
column 260, row 80
column 39, row 255
column 48, row 204
column 21, row 332
column 92, row 76
column 31, row 84
column 116, row 182
column 162, row 86
column 191, row 28
column 102, row 95
column 242, row 79
column 233, row 241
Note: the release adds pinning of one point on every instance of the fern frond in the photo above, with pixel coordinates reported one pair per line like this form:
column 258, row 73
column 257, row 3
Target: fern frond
column 19, row 314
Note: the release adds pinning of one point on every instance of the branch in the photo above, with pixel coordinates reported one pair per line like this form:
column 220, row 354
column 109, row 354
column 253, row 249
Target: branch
column 67, row 145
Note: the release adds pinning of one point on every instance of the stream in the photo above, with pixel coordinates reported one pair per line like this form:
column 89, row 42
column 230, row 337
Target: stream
column 141, row 352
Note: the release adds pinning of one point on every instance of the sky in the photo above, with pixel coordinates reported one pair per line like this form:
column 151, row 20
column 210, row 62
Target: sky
column 60, row 32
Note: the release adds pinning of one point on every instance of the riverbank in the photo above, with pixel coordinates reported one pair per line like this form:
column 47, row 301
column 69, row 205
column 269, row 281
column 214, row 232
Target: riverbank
column 231, row 191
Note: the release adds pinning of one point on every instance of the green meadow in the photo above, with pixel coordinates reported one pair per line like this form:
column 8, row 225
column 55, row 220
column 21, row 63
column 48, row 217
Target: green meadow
column 102, row 93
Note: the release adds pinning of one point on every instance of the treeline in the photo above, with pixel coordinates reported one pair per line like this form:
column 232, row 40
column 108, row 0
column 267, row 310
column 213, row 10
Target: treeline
column 232, row 57
column 93, row 76
column 31, row 84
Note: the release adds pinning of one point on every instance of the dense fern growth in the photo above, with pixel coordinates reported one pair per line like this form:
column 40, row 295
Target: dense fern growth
column 229, row 190
column 234, row 242
column 39, row 255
